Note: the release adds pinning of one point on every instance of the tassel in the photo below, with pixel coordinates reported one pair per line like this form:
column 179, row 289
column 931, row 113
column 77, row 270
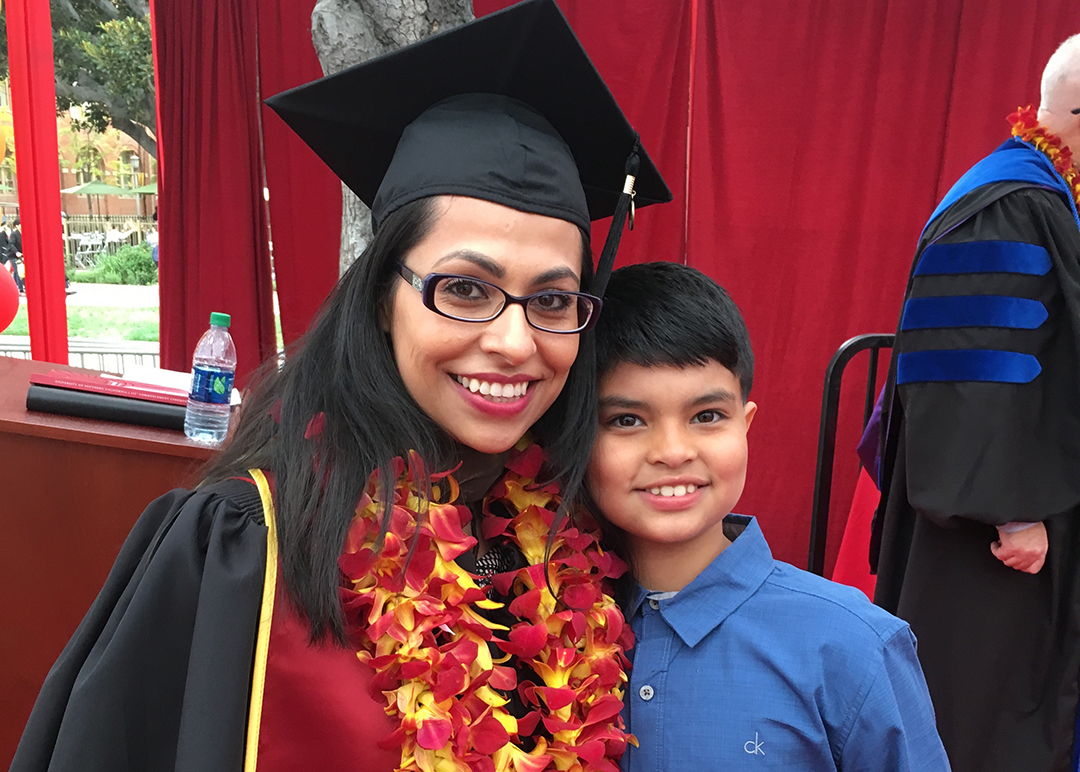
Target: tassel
column 624, row 212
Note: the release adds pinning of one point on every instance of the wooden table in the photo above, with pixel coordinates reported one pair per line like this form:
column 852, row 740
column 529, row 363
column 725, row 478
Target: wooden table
column 70, row 490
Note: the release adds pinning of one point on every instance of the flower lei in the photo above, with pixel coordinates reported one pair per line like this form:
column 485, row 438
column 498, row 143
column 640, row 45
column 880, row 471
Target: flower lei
column 1025, row 125
column 413, row 618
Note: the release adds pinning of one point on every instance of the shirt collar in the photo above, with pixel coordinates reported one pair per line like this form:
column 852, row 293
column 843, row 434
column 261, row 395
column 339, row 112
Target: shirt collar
column 722, row 587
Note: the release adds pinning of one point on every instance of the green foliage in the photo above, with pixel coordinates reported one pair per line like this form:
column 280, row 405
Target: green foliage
column 122, row 53
column 129, row 265
column 104, row 64
column 87, row 157
column 116, row 57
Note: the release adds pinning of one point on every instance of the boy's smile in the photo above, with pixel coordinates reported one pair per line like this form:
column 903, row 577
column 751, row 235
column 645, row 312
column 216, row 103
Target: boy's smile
column 669, row 464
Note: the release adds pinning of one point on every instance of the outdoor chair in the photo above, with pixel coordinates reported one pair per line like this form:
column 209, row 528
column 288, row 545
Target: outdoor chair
column 90, row 245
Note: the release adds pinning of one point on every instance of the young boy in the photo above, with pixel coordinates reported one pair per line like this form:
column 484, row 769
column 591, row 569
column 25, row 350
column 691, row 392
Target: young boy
column 741, row 662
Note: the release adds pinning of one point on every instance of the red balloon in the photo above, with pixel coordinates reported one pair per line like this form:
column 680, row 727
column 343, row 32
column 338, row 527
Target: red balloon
column 9, row 298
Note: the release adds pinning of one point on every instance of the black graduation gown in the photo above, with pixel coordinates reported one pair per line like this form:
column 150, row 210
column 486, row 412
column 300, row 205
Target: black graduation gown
column 1000, row 648
column 157, row 676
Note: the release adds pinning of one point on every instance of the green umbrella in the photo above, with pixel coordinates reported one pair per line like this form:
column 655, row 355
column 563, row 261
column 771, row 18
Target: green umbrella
column 148, row 188
column 97, row 188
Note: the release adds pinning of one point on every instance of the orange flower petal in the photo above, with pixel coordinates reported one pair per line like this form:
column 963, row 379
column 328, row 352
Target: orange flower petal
column 558, row 698
column 433, row 733
column 503, row 678
column 525, row 640
column 449, row 683
column 526, row 604
column 604, row 708
column 488, row 735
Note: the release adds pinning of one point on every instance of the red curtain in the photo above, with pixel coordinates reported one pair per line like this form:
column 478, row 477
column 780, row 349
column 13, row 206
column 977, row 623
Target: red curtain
column 822, row 135
column 214, row 246
column 33, row 97
column 305, row 196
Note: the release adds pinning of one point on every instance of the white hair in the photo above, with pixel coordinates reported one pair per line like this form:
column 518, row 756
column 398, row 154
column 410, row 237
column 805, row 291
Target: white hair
column 1062, row 70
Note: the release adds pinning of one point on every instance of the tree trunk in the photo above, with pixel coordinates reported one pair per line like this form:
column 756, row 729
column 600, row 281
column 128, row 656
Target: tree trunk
column 137, row 132
column 119, row 111
column 347, row 32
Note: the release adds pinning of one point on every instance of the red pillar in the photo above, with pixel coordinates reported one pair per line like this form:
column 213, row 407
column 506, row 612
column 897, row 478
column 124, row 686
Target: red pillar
column 33, row 108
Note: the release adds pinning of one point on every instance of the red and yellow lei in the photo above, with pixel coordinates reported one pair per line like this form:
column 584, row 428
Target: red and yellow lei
column 1025, row 125
column 414, row 618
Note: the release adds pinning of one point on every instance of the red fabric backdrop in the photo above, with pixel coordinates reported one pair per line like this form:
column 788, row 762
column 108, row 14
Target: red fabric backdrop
column 305, row 196
column 214, row 250
column 821, row 137
column 33, row 102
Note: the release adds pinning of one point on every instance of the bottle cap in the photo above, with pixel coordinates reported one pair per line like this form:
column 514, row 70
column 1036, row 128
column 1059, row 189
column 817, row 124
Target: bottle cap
column 220, row 320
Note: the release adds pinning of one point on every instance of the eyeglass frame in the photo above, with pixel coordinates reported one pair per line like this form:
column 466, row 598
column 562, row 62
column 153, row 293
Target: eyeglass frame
column 426, row 287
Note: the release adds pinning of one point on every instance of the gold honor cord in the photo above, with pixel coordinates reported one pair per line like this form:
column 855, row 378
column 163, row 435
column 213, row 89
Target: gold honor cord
column 266, row 614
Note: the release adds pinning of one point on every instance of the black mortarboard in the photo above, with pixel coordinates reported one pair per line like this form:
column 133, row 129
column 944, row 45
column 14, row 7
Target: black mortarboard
column 507, row 108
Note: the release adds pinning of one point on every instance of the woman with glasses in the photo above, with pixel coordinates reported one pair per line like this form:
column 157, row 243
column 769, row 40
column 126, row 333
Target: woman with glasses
column 377, row 572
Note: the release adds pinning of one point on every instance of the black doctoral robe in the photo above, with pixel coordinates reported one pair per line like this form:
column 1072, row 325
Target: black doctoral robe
column 983, row 412
column 157, row 676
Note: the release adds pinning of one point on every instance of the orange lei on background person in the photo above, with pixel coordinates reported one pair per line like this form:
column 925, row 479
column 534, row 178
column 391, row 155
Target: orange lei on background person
column 413, row 619
column 1025, row 125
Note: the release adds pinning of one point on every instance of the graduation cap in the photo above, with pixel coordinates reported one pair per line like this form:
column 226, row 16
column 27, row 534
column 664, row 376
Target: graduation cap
column 507, row 108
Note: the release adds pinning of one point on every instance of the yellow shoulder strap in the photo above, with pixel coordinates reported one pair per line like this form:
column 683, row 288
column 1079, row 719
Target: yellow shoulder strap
column 266, row 614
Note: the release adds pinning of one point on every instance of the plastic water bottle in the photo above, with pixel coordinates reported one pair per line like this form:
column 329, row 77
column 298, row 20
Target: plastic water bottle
column 212, row 373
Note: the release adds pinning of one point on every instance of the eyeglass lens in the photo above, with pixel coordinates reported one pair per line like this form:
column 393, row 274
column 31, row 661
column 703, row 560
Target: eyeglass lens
column 472, row 299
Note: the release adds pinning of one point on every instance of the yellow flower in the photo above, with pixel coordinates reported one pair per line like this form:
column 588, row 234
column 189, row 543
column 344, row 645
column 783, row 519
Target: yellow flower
column 419, row 625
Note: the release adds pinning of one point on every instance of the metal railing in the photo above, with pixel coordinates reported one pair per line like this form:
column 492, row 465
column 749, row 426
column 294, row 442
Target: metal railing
column 103, row 355
column 830, row 409
column 80, row 228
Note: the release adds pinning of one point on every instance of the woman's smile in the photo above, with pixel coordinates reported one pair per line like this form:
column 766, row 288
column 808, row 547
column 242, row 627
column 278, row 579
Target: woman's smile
column 494, row 397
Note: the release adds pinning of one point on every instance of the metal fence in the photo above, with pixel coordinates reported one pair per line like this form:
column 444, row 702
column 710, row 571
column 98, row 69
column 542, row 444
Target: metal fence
column 88, row 236
column 105, row 356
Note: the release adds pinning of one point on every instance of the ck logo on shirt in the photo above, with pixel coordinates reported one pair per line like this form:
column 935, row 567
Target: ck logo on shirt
column 753, row 747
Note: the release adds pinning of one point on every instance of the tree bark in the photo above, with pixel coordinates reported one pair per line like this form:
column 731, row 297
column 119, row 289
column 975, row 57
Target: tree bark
column 347, row 32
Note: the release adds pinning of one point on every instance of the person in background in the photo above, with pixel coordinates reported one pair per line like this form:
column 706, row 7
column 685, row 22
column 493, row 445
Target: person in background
column 115, row 238
column 741, row 662
column 5, row 232
column 977, row 537
column 14, row 253
column 152, row 242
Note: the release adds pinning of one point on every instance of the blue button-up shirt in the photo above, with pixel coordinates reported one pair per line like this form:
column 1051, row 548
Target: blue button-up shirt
column 756, row 665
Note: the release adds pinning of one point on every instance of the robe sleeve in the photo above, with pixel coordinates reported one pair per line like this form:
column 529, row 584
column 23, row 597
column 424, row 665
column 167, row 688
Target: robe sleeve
column 157, row 675
column 987, row 365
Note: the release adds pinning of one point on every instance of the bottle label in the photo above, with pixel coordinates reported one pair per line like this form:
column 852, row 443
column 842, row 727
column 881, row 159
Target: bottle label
column 209, row 384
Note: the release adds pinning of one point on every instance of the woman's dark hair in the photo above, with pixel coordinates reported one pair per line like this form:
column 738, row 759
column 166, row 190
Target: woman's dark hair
column 344, row 368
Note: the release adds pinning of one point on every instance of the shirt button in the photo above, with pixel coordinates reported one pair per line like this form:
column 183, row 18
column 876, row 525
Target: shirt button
column 654, row 603
column 646, row 692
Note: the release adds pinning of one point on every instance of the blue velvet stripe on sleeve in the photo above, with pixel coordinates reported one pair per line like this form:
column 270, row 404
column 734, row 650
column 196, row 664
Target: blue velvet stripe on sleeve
column 984, row 257
column 966, row 365
column 973, row 311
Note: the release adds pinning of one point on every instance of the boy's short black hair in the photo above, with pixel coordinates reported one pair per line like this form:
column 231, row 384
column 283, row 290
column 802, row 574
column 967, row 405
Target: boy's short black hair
column 668, row 314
